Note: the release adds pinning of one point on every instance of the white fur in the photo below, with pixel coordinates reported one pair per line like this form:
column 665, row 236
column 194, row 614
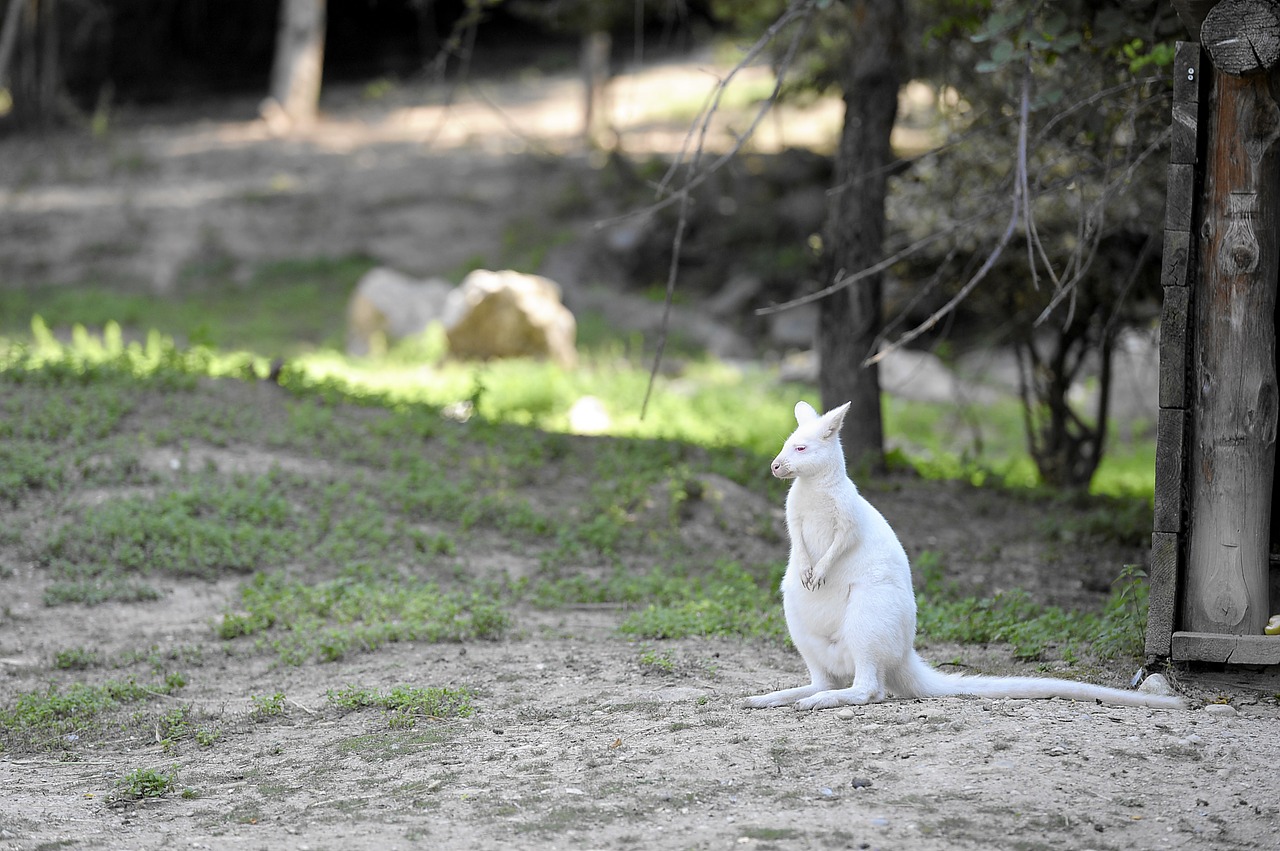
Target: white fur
column 848, row 598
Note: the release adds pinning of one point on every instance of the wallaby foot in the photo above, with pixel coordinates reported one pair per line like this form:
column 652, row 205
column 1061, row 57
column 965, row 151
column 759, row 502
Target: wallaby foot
column 856, row 696
column 780, row 698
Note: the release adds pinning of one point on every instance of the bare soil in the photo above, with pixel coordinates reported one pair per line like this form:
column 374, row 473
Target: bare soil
column 575, row 742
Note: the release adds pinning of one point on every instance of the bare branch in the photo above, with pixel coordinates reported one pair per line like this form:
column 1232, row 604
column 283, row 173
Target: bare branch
column 801, row 10
column 798, row 10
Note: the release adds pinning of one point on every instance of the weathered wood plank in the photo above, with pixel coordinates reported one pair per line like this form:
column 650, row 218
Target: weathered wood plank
column 1171, row 454
column 1162, row 607
column 1175, row 325
column 1231, row 649
column 1183, row 145
column 1179, row 201
column 1176, row 260
column 1235, row 394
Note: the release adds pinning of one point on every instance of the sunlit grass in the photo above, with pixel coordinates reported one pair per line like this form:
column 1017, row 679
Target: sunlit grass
column 709, row 402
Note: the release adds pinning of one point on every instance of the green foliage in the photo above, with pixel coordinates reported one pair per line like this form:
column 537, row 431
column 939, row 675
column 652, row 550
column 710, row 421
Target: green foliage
column 357, row 612
column 146, row 783
column 76, row 659
column 266, row 706
column 41, row 718
column 285, row 307
column 1031, row 628
column 405, row 704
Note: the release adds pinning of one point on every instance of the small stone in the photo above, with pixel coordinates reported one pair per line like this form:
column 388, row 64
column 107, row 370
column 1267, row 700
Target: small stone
column 846, row 714
column 1220, row 710
column 1157, row 684
column 861, row 783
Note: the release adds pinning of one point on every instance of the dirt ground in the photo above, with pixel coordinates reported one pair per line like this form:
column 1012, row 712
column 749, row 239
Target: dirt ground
column 574, row 743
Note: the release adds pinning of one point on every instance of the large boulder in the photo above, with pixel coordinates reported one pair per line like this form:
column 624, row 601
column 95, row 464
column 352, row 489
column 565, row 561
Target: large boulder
column 388, row 305
column 509, row 314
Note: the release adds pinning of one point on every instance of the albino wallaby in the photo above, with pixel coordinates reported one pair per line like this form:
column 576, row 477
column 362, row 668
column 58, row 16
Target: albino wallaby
column 848, row 598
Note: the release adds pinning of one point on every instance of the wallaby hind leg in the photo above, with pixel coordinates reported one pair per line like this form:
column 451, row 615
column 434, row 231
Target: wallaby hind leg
column 818, row 682
column 867, row 688
column 784, row 697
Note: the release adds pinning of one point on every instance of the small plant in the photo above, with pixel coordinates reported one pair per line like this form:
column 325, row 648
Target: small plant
column 144, row 783
column 404, row 704
column 652, row 660
column 75, row 659
column 266, row 707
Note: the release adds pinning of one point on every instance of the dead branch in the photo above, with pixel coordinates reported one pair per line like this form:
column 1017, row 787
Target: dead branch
column 801, row 11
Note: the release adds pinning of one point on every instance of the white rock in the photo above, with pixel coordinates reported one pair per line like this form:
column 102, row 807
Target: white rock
column 846, row 714
column 1221, row 710
column 393, row 306
column 1156, row 684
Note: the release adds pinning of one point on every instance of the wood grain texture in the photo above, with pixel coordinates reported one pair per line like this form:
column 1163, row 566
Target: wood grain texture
column 1234, row 396
column 1175, row 320
column 1180, row 197
column 1242, row 36
column 1162, row 608
column 1171, row 455
column 1231, row 649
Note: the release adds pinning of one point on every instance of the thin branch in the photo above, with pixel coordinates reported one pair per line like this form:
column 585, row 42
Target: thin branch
column 1016, row 210
column 1099, row 207
column 694, row 177
column 844, row 279
column 951, row 305
column 798, row 10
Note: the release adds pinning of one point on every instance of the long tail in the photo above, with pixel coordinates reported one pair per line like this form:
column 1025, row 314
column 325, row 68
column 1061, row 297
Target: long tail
column 920, row 679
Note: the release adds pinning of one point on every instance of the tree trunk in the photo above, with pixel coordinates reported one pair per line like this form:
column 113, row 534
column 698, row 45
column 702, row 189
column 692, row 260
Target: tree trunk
column 1233, row 455
column 596, row 48
column 850, row 321
column 299, row 60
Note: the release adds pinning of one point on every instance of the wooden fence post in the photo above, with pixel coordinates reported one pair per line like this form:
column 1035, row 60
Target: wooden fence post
column 1234, row 390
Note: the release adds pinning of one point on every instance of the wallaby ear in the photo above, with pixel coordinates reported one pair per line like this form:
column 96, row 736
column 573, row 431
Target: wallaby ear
column 805, row 413
column 833, row 420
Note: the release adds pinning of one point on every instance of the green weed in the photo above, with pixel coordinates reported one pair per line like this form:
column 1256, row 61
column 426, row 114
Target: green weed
column 56, row 716
column 327, row 620
column 266, row 706
column 146, row 783
column 406, row 704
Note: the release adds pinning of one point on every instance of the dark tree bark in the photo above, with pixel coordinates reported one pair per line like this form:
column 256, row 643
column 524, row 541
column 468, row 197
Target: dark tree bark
column 850, row 321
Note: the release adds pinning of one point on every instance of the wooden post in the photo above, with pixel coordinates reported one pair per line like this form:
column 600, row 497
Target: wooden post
column 1177, row 276
column 1234, row 389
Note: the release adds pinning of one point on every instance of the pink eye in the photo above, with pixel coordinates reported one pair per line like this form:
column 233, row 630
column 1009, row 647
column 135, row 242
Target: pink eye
column 800, row 448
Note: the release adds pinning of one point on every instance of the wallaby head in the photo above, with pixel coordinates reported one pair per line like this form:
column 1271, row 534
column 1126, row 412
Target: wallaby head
column 814, row 447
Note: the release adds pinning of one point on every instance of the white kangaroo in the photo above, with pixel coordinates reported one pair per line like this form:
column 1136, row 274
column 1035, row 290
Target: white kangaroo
column 848, row 598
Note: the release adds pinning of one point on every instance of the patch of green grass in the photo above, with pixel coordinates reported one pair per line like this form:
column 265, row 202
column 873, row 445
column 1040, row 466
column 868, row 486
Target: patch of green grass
column 266, row 706
column 76, row 659
column 42, row 719
column 404, row 705
column 357, row 612
column 653, row 660
column 146, row 783
column 283, row 307
column 1031, row 628
column 729, row 601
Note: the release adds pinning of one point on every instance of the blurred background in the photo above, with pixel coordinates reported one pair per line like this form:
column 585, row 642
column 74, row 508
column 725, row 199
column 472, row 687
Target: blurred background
column 326, row 183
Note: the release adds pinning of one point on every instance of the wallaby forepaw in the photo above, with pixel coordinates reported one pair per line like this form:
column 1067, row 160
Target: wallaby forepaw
column 811, row 582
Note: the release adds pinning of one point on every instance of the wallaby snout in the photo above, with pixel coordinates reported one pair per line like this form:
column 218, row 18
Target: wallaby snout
column 780, row 469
